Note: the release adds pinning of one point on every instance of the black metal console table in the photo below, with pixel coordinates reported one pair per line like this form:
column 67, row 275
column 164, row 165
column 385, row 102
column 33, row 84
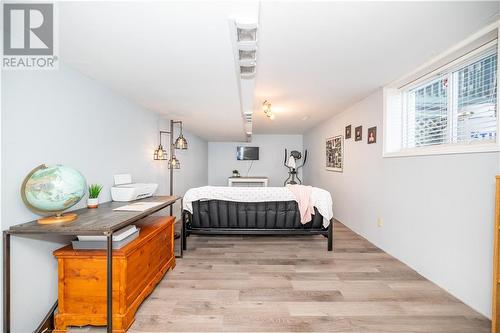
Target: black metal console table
column 101, row 221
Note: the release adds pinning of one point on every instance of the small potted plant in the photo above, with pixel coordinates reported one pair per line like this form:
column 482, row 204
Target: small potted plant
column 94, row 191
column 236, row 173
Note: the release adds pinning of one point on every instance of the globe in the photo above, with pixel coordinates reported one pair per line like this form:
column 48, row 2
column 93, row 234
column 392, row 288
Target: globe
column 53, row 189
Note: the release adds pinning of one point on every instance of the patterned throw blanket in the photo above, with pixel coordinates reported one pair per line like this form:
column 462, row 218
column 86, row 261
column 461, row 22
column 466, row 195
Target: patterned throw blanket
column 319, row 198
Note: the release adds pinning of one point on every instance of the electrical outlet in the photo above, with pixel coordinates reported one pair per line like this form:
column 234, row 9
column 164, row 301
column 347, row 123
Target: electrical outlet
column 380, row 222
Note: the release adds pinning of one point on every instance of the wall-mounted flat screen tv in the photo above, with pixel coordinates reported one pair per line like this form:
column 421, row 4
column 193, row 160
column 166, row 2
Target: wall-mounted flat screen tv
column 247, row 153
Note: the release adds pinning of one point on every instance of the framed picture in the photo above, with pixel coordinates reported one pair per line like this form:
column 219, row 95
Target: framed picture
column 335, row 153
column 372, row 135
column 348, row 132
column 358, row 133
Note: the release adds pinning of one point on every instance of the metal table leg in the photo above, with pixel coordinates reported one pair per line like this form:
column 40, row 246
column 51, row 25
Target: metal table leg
column 181, row 238
column 184, row 234
column 6, row 282
column 182, row 227
column 109, row 288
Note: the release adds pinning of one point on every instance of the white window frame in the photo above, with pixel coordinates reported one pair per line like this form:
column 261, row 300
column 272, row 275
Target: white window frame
column 394, row 102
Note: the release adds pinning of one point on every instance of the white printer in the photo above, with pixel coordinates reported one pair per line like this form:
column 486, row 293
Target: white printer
column 125, row 190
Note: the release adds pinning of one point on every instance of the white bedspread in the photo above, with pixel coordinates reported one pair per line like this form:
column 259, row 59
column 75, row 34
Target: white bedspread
column 320, row 198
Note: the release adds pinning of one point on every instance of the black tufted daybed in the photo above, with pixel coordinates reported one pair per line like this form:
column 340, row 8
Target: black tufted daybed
column 218, row 217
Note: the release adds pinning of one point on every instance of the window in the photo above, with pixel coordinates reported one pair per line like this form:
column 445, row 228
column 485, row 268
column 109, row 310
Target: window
column 454, row 109
column 427, row 114
column 458, row 106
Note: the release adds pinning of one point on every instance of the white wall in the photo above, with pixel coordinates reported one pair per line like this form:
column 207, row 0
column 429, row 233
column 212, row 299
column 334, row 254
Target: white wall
column 437, row 210
column 64, row 117
column 222, row 158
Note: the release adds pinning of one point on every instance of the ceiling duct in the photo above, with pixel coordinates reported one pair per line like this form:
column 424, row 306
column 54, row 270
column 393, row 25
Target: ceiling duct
column 244, row 38
column 246, row 43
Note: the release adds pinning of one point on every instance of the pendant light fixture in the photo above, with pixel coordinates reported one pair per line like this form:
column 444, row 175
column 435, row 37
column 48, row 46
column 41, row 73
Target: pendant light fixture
column 181, row 142
column 160, row 153
column 173, row 163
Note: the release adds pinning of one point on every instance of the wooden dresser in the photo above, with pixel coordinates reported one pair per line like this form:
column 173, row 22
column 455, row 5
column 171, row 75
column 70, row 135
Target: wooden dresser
column 137, row 268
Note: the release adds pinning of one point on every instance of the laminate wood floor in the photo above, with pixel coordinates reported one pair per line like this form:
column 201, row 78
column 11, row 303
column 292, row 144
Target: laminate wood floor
column 292, row 284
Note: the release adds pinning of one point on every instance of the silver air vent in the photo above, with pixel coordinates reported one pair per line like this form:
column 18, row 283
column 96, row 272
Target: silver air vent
column 246, row 42
column 247, row 71
column 246, row 32
column 247, row 35
column 248, row 117
column 248, row 55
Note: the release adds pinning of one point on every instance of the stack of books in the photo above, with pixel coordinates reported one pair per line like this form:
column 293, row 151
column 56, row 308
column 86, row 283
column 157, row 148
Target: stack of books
column 120, row 238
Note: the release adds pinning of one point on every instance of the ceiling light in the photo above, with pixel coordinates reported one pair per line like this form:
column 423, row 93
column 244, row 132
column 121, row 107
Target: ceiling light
column 266, row 107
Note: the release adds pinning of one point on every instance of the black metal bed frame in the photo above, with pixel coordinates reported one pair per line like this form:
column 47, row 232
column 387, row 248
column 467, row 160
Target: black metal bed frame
column 188, row 230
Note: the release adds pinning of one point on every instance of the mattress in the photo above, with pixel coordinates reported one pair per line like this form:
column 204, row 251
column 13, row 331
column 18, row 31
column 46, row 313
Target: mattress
column 251, row 215
column 320, row 198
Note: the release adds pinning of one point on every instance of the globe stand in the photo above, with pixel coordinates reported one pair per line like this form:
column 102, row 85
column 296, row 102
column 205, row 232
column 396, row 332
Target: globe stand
column 58, row 218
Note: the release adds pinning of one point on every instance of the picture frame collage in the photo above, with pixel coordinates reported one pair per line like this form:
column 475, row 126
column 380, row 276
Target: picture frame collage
column 334, row 146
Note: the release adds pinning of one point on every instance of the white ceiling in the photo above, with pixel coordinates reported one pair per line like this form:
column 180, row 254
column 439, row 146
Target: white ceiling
column 317, row 59
column 175, row 58
column 314, row 58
